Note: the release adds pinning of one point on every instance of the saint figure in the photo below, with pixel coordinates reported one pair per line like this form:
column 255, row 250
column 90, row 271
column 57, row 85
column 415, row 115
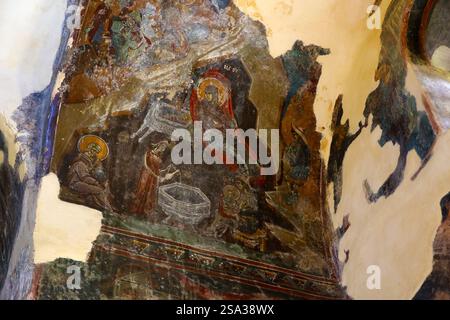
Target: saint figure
column 86, row 174
column 146, row 195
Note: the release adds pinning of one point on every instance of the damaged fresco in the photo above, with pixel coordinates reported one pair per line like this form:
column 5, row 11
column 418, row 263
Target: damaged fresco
column 118, row 160
column 136, row 123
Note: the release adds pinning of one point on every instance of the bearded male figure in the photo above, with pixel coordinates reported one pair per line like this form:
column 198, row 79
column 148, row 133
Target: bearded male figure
column 86, row 175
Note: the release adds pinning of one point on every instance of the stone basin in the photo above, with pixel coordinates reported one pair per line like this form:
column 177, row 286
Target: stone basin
column 184, row 203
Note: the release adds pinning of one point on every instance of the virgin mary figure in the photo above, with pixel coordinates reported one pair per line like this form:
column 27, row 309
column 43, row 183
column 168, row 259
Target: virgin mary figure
column 211, row 102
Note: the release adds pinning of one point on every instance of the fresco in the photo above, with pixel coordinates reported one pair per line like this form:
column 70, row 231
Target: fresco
column 113, row 151
column 207, row 156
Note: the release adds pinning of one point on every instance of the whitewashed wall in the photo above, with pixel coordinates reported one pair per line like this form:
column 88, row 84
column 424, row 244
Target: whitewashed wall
column 30, row 34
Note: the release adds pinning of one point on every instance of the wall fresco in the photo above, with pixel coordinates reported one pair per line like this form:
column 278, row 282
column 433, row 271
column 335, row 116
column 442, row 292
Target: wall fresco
column 207, row 156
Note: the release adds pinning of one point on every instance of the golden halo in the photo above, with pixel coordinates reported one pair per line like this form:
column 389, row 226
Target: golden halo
column 86, row 141
column 221, row 88
column 232, row 193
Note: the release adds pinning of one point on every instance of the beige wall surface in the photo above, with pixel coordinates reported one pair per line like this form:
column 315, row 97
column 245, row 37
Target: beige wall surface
column 395, row 234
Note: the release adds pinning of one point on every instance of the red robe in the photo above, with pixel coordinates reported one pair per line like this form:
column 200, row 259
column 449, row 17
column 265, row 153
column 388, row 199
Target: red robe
column 228, row 119
column 146, row 195
column 227, row 107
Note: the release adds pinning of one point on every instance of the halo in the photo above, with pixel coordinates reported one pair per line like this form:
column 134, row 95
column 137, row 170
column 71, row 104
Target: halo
column 86, row 141
column 232, row 192
column 221, row 88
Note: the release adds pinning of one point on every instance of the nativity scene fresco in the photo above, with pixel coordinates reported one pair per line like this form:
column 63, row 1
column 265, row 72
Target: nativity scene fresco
column 135, row 128
column 133, row 78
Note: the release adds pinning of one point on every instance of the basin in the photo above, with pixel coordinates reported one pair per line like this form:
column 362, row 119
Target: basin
column 184, row 203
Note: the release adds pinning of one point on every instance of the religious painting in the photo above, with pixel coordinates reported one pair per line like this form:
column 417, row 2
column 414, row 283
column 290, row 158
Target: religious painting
column 116, row 148
column 232, row 150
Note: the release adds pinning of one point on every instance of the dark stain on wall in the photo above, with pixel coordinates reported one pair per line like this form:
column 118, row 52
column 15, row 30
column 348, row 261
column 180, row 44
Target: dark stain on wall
column 393, row 108
column 11, row 194
column 437, row 285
